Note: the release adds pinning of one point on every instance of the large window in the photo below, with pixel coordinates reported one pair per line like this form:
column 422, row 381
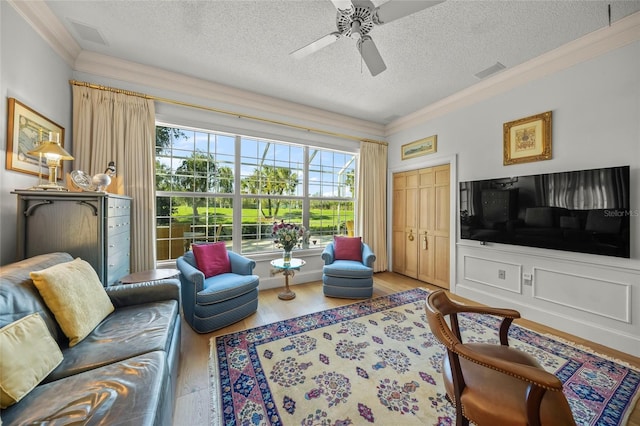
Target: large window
column 220, row 187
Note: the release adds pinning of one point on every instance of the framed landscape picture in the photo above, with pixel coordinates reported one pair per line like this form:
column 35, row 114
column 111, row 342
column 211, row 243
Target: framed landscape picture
column 527, row 139
column 26, row 129
column 420, row 147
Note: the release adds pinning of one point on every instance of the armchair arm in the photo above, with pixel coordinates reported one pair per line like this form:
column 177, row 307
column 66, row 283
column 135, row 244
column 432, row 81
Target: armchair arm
column 527, row 373
column 144, row 292
column 500, row 312
column 368, row 257
column 190, row 276
column 241, row 265
column 447, row 307
column 327, row 254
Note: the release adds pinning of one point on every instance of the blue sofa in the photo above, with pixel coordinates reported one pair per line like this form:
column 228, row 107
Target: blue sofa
column 348, row 278
column 212, row 303
column 124, row 372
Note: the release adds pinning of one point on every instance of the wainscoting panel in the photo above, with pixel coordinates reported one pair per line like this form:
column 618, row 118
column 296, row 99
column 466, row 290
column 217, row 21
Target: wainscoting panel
column 584, row 293
column 493, row 273
column 593, row 297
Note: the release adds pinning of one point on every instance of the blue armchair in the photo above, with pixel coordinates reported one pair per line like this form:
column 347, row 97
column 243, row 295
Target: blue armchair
column 218, row 301
column 349, row 279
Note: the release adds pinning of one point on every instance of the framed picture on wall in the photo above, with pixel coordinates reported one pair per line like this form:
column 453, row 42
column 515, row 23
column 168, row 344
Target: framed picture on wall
column 527, row 139
column 26, row 129
column 420, row 147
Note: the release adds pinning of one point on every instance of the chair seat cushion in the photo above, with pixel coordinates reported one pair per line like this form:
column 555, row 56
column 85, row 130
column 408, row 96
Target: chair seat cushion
column 224, row 287
column 485, row 390
column 364, row 282
column 347, row 269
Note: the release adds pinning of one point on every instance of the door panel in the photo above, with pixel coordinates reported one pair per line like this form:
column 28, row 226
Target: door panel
column 421, row 224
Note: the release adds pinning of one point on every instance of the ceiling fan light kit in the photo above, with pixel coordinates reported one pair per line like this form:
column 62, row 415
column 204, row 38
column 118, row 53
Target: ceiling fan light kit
column 356, row 18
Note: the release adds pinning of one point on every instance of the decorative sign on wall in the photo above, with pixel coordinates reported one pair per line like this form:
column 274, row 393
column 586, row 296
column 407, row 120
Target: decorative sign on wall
column 528, row 139
column 26, row 129
column 420, row 147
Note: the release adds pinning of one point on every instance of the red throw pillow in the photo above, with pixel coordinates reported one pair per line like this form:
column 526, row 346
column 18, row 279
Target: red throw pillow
column 347, row 248
column 212, row 259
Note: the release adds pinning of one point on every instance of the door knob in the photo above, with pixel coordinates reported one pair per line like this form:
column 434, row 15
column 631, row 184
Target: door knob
column 410, row 237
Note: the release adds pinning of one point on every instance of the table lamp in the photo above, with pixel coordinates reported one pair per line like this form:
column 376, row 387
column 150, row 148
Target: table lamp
column 53, row 152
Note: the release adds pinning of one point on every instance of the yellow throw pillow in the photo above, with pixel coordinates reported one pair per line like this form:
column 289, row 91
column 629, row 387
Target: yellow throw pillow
column 73, row 292
column 28, row 354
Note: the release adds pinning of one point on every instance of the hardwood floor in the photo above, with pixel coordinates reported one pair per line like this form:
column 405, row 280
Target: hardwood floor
column 193, row 398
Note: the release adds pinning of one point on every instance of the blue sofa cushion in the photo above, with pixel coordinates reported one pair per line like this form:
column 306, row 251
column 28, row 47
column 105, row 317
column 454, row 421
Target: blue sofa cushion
column 224, row 287
column 132, row 391
column 347, row 269
column 127, row 332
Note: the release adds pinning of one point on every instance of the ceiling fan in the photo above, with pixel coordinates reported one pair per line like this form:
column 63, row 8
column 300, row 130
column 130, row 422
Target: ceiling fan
column 356, row 18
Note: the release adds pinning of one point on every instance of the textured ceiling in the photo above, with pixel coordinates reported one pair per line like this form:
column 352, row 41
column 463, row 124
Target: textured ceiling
column 246, row 44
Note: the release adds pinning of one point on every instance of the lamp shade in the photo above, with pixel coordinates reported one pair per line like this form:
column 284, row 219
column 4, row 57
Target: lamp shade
column 51, row 148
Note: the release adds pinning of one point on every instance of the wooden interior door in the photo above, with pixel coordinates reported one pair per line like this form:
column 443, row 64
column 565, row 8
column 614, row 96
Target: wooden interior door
column 426, row 225
column 421, row 224
column 397, row 240
column 404, row 229
column 433, row 264
column 411, row 225
column 441, row 228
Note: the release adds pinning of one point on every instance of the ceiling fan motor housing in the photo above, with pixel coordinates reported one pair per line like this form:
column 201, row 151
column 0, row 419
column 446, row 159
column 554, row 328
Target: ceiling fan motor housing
column 361, row 15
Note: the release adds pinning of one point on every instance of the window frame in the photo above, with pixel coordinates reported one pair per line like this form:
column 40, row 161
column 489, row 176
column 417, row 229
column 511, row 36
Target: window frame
column 237, row 197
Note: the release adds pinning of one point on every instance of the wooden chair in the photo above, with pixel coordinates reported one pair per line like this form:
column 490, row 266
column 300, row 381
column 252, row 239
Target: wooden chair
column 491, row 384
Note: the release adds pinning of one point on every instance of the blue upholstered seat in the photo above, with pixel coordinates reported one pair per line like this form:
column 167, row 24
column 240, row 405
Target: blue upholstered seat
column 349, row 279
column 218, row 301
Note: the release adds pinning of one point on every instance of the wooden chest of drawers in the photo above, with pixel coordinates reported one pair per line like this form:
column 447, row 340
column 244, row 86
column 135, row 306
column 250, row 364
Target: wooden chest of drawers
column 94, row 226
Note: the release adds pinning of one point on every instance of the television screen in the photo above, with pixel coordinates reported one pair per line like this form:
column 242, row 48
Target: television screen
column 583, row 211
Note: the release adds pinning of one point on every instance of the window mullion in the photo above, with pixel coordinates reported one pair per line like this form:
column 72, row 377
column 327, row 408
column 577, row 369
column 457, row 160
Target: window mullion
column 236, row 233
column 306, row 204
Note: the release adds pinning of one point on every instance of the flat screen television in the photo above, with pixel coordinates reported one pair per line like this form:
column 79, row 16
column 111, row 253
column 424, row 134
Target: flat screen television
column 583, row 211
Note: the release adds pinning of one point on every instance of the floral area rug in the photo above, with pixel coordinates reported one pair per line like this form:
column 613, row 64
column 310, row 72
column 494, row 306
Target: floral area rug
column 376, row 362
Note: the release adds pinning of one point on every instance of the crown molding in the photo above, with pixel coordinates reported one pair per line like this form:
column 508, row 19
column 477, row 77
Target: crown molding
column 45, row 23
column 151, row 77
column 619, row 34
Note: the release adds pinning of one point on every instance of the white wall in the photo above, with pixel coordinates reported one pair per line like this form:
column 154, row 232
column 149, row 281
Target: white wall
column 596, row 123
column 35, row 75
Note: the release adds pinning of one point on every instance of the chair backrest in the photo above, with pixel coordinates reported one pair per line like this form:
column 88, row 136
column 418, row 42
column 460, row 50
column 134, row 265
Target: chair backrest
column 437, row 307
column 190, row 258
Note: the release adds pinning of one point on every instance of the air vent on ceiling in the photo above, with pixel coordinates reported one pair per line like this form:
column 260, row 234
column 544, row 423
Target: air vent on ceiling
column 489, row 71
column 87, row 33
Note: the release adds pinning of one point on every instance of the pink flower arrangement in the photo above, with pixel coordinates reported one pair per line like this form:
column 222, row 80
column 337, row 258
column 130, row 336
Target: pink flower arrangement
column 287, row 235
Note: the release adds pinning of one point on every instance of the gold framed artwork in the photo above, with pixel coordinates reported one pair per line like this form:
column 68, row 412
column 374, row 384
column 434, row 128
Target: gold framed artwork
column 420, row 147
column 26, row 129
column 527, row 139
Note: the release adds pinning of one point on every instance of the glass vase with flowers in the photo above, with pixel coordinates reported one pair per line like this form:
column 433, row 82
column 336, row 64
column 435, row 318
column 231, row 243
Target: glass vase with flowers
column 287, row 236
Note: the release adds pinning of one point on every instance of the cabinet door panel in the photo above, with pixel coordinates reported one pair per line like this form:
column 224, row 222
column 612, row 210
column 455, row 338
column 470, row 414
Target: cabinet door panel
column 398, row 252
column 441, row 262
column 90, row 225
column 66, row 226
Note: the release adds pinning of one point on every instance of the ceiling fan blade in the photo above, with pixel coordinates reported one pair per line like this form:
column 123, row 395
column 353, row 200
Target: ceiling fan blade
column 316, row 45
column 342, row 5
column 371, row 55
column 392, row 10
